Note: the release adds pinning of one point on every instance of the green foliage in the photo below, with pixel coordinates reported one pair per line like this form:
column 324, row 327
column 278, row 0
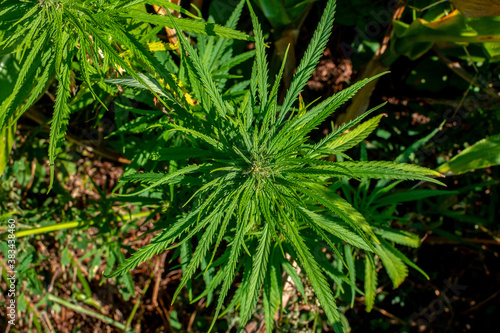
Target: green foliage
column 260, row 184
column 415, row 39
column 65, row 229
column 50, row 35
column 282, row 14
column 242, row 200
column 482, row 154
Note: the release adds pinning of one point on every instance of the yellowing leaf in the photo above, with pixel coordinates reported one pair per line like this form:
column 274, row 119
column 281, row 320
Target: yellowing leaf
column 478, row 8
column 159, row 46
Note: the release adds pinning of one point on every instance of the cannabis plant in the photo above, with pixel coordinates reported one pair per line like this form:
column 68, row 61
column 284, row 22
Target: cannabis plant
column 49, row 35
column 259, row 184
column 378, row 203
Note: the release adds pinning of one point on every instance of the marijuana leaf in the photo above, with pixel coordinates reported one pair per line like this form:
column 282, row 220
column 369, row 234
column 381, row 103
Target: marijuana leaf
column 55, row 33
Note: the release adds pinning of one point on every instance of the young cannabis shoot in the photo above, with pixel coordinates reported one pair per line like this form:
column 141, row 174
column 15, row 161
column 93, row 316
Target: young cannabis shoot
column 263, row 182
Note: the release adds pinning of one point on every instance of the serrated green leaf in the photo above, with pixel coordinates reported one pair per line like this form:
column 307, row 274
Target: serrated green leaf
column 395, row 267
column 205, row 28
column 310, row 59
column 354, row 137
column 60, row 118
column 259, row 268
column 399, row 236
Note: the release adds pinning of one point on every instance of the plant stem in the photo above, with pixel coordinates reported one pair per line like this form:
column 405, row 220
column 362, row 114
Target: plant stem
column 136, row 305
column 67, row 225
column 49, row 228
column 81, row 309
